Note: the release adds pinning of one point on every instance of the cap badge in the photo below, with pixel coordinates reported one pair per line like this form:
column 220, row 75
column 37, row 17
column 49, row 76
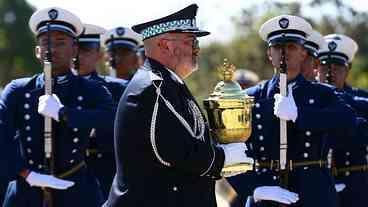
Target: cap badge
column 120, row 31
column 53, row 14
column 332, row 46
column 284, row 23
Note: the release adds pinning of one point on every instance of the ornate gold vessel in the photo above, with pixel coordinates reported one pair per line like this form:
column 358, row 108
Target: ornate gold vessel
column 229, row 113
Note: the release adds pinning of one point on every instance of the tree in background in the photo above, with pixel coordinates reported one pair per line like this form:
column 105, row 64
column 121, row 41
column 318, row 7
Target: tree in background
column 16, row 41
column 247, row 50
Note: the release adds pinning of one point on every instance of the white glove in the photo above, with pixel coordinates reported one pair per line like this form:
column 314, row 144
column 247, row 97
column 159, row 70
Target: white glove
column 235, row 153
column 340, row 187
column 49, row 106
column 285, row 107
column 49, row 181
column 275, row 193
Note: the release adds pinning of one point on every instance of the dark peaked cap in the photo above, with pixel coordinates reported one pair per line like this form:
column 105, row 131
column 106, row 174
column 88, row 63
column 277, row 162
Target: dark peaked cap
column 182, row 21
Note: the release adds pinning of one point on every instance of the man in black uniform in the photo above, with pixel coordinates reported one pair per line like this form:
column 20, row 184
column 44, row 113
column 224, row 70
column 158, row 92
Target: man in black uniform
column 164, row 154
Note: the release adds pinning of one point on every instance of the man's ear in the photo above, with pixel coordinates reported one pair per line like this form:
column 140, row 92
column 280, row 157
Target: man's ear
column 269, row 57
column 37, row 51
column 304, row 54
column 162, row 45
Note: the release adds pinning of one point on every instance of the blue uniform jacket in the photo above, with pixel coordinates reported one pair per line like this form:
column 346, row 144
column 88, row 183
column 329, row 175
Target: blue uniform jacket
column 100, row 156
column 350, row 153
column 104, row 139
column 319, row 111
column 87, row 105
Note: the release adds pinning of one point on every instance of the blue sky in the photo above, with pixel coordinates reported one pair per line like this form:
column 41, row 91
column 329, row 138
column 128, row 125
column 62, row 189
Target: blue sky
column 213, row 15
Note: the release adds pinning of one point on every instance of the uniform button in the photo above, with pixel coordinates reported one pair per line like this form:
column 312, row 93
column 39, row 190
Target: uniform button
column 263, row 158
column 71, row 161
column 347, row 173
column 27, row 95
column 28, row 128
column 39, row 166
column 257, row 105
column 264, row 170
column 99, row 155
column 258, row 173
column 307, row 144
column 175, row 188
column 76, row 140
column 74, row 151
column 30, row 162
column 29, row 139
column 305, row 155
column 259, row 126
column 274, row 178
column 261, row 149
column 305, row 168
column 80, row 98
column 26, row 106
column 261, row 137
column 308, row 133
column 29, row 150
column 347, row 153
column 311, row 101
column 75, row 129
column 27, row 117
column 347, row 163
column 258, row 116
column 79, row 107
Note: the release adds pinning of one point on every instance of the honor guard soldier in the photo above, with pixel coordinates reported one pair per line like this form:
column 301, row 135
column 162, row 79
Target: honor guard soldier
column 75, row 106
column 308, row 110
column 121, row 45
column 100, row 155
column 349, row 155
column 340, row 78
column 164, row 154
column 313, row 43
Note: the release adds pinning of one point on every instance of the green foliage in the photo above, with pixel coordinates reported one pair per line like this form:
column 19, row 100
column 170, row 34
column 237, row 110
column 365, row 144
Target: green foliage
column 247, row 50
column 16, row 41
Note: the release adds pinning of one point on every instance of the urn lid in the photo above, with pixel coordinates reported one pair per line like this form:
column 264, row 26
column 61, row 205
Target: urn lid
column 227, row 88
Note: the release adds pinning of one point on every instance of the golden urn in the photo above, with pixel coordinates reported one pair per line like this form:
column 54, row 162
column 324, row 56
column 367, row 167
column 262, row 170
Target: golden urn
column 229, row 112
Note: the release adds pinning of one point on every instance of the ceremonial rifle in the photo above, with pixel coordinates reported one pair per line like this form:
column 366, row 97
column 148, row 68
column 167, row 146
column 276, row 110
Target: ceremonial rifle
column 48, row 132
column 283, row 123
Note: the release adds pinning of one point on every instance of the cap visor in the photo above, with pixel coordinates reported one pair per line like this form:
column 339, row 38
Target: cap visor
column 284, row 40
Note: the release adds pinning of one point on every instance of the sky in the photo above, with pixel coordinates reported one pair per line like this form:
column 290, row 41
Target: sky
column 213, row 15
